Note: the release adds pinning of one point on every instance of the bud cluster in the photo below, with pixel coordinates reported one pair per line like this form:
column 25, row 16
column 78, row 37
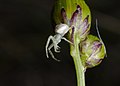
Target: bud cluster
column 78, row 24
column 78, row 17
column 92, row 49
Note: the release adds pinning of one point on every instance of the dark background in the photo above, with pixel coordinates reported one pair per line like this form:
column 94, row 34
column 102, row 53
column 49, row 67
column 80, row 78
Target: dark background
column 24, row 28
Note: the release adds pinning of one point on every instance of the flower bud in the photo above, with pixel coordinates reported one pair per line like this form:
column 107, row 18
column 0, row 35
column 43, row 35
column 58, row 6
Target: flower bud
column 92, row 51
column 75, row 14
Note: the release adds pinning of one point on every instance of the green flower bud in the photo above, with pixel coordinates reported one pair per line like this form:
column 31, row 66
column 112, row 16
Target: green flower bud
column 92, row 51
column 74, row 13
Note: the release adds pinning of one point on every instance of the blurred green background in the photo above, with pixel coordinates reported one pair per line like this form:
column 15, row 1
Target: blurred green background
column 24, row 28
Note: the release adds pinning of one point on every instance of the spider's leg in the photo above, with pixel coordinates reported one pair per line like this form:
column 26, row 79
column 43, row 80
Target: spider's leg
column 47, row 44
column 53, row 56
column 49, row 49
column 56, row 48
column 67, row 40
column 100, row 36
column 56, row 40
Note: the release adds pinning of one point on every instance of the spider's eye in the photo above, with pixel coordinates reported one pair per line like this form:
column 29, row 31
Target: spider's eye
column 61, row 28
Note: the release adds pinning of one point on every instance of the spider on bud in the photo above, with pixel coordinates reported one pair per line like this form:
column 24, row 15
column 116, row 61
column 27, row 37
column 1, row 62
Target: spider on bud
column 60, row 30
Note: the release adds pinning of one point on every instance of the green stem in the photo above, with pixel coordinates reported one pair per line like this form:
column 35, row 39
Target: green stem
column 75, row 53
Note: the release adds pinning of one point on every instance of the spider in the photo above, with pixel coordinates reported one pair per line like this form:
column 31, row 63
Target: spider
column 60, row 30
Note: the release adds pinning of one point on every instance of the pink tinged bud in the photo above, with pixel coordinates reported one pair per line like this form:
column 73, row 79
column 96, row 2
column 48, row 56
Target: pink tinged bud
column 92, row 51
column 84, row 26
column 78, row 24
column 73, row 20
column 76, row 17
column 81, row 25
column 64, row 16
column 72, row 35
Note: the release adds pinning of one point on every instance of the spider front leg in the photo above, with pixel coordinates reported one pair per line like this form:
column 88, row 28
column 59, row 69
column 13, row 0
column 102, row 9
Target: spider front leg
column 47, row 44
column 67, row 40
column 54, row 44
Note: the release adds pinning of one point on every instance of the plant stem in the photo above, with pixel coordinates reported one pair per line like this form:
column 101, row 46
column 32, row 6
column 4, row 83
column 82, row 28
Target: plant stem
column 75, row 53
column 79, row 72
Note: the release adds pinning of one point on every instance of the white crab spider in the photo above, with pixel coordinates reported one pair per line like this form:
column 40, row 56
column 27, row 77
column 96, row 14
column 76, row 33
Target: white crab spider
column 60, row 30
